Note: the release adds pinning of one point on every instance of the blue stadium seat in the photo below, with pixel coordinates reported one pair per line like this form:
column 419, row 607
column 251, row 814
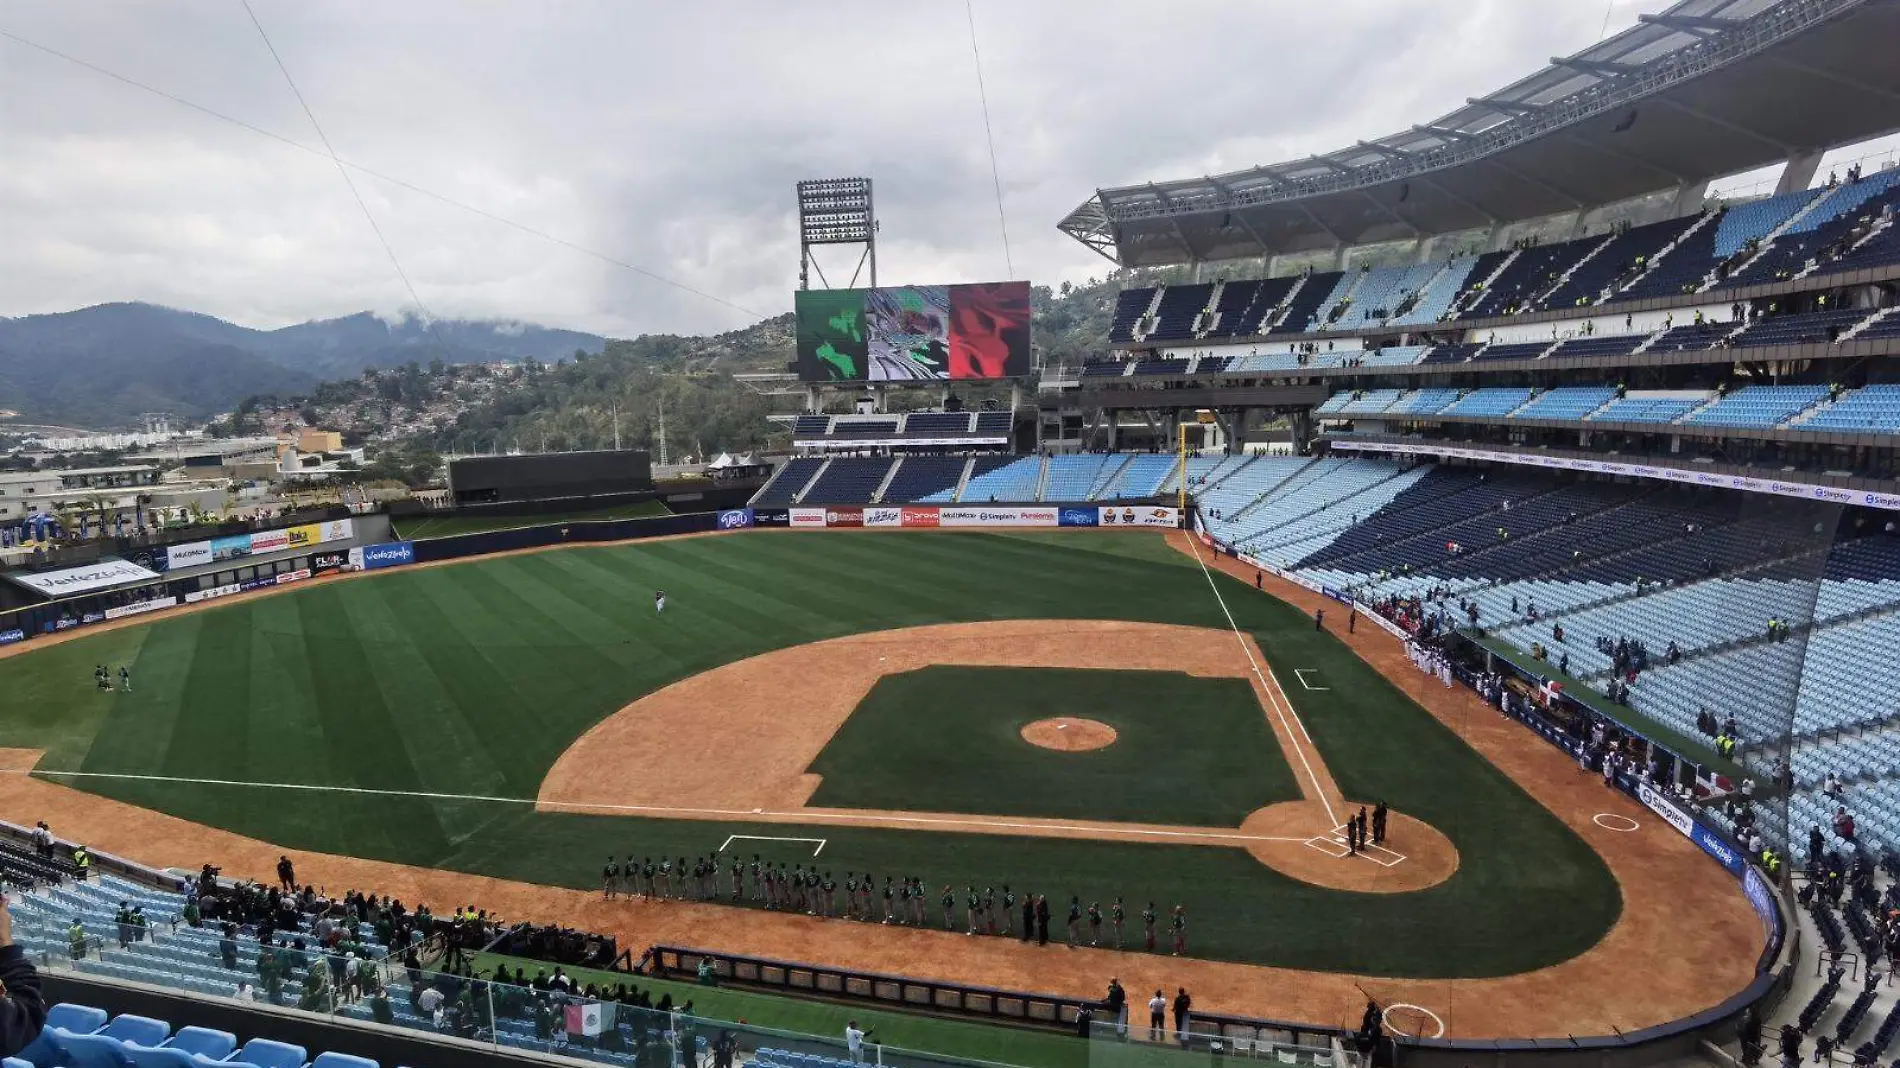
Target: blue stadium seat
column 266, row 1053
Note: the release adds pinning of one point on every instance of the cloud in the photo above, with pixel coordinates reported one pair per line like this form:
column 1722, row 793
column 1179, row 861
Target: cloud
column 665, row 136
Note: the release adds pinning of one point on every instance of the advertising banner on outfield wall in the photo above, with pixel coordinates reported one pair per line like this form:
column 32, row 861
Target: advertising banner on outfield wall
column 844, row 517
column 235, row 546
column 997, row 516
column 1076, row 517
column 808, row 517
column 772, row 517
column 388, row 554
column 141, row 608
column 883, row 517
column 1141, row 515
column 920, row 517
column 71, row 581
column 8, row 637
column 213, row 593
column 735, row 519
column 324, row 563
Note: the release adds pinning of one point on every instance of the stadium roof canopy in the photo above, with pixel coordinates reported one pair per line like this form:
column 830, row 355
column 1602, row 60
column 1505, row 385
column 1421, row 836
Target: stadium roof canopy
column 1706, row 89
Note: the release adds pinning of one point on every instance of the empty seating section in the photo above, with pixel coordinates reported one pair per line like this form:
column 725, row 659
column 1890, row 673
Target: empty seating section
column 1106, row 368
column 1758, row 406
column 1453, row 352
column 1248, row 321
column 1230, row 308
column 1574, row 402
column 1267, row 361
column 1203, row 471
column 1617, row 262
column 1210, row 365
column 862, row 429
column 1072, row 478
column 1813, row 328
column 1141, row 476
column 1434, row 300
column 1691, row 338
column 1757, row 219
column 810, row 426
column 1172, row 366
column 1174, row 317
column 1371, row 402
column 1392, row 356
column 1130, row 304
column 1607, row 345
column 1245, row 484
column 1515, row 350
column 936, row 424
column 790, row 479
column 1315, row 293
column 1873, row 250
column 920, row 477
column 1382, row 291
column 1423, row 402
column 980, row 466
column 1534, row 270
column 1330, row 486
column 1334, row 404
column 991, row 424
column 1872, row 409
column 1685, row 266
column 1650, row 407
column 1015, row 479
column 848, row 480
column 1833, row 218
column 1488, row 402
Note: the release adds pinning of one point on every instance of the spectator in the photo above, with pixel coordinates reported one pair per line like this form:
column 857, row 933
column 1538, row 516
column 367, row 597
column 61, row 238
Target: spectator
column 22, row 1006
column 1157, row 1016
column 854, row 1041
column 1843, row 823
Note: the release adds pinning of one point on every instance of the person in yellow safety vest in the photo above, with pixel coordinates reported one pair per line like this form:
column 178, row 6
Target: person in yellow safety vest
column 76, row 939
column 82, row 860
column 1771, row 862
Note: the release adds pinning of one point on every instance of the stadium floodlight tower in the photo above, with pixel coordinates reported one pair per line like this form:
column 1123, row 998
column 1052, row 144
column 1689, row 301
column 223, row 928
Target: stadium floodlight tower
column 835, row 211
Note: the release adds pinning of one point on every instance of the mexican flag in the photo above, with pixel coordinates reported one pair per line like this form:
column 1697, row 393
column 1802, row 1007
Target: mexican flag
column 590, row 1019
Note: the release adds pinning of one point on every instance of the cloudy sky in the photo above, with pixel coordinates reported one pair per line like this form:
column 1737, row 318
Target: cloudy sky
column 666, row 136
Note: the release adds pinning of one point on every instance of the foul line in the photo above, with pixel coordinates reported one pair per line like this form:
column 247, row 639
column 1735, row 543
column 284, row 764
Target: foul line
column 738, row 815
column 731, row 838
column 1195, row 547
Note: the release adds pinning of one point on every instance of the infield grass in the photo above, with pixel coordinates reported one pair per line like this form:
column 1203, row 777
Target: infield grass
column 472, row 678
column 1188, row 752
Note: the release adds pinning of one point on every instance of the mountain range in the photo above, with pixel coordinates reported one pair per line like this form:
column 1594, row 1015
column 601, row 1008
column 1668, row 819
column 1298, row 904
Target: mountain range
column 101, row 367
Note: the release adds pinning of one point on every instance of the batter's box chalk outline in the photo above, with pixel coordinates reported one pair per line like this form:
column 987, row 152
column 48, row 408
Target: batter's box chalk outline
column 1300, row 674
column 731, row 838
column 1335, row 845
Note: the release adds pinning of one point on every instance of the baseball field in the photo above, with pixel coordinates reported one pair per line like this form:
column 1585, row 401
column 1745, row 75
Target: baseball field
column 1088, row 715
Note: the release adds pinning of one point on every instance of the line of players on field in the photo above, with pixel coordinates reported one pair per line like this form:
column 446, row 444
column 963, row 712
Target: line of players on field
column 859, row 897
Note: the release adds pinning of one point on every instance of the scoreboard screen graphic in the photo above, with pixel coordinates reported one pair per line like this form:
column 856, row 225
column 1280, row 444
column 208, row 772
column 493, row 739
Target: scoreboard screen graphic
column 914, row 333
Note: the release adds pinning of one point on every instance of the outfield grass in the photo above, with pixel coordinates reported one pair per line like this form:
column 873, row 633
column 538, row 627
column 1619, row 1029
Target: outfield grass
column 1189, row 751
column 472, row 679
column 450, row 525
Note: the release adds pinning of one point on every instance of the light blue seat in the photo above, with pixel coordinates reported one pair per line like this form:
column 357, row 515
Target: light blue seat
column 142, row 1030
column 268, row 1054
column 342, row 1060
column 163, row 1057
column 63, row 1021
column 204, row 1041
column 93, row 1051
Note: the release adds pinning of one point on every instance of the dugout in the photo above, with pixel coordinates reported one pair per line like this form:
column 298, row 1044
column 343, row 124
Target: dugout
column 575, row 477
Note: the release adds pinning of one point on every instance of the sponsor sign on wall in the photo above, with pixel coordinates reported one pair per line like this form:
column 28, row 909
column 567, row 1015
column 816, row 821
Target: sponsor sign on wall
column 844, row 517
column 1754, row 886
column 735, row 519
column 997, row 516
column 918, row 517
column 284, row 578
column 1691, row 828
column 141, row 608
column 270, row 541
column 230, row 548
column 772, row 517
column 8, row 637
column 388, row 554
column 70, row 581
column 213, row 593
column 883, row 517
column 808, row 517
column 1140, row 515
column 1076, row 517
column 324, row 563
column 190, row 554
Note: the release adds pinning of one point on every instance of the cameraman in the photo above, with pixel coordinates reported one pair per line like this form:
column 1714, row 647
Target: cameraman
column 22, row 1006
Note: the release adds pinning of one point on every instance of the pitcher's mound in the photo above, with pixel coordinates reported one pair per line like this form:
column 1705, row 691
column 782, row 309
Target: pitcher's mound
column 1069, row 735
